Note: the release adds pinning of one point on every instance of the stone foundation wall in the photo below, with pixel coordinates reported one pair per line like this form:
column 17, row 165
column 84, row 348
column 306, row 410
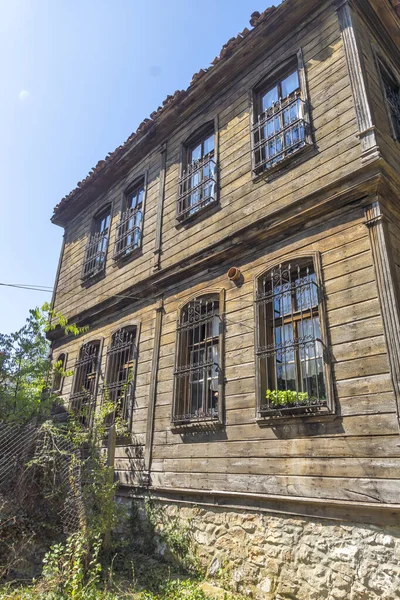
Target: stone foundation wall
column 269, row 557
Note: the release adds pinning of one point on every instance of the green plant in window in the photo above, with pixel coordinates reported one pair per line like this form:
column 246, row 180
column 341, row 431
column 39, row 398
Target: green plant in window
column 283, row 398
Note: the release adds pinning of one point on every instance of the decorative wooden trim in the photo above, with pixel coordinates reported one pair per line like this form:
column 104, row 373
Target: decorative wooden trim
column 357, row 75
column 387, row 290
column 160, row 207
column 148, row 452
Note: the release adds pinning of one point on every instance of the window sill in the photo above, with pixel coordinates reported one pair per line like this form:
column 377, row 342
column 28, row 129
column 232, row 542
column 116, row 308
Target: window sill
column 290, row 162
column 195, row 425
column 121, row 259
column 201, row 213
column 297, row 414
column 89, row 280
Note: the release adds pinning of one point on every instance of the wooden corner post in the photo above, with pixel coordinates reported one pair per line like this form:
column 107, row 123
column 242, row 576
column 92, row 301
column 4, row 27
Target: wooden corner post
column 387, row 290
column 357, row 76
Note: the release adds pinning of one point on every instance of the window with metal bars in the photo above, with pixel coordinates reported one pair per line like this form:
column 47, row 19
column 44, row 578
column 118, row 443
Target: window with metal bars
column 129, row 228
column 392, row 94
column 280, row 127
column 96, row 249
column 198, row 377
column 290, row 352
column 83, row 396
column 58, row 376
column 198, row 181
column 118, row 389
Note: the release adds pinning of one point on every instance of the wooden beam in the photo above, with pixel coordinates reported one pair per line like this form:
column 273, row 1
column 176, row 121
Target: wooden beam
column 387, row 290
column 160, row 206
column 153, row 391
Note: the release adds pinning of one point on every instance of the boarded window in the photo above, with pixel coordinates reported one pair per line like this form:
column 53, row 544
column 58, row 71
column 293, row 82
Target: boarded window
column 198, row 370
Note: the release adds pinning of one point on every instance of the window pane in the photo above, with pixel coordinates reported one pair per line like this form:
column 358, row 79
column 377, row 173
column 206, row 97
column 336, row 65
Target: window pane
column 208, row 145
column 290, row 84
column 195, row 153
column 270, row 98
column 306, row 292
column 102, row 223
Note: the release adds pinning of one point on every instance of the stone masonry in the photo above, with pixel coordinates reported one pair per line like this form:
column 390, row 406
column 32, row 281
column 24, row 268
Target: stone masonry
column 269, row 557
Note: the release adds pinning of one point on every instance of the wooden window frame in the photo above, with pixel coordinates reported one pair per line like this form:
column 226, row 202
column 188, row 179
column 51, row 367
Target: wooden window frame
column 121, row 257
column 94, row 274
column 59, row 389
column 130, row 399
column 199, row 134
column 198, row 422
column 386, row 71
column 94, row 393
column 274, row 77
column 269, row 417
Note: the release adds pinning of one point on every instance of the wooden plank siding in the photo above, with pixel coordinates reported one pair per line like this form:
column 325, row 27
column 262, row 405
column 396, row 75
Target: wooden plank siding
column 242, row 201
column 314, row 205
column 366, row 407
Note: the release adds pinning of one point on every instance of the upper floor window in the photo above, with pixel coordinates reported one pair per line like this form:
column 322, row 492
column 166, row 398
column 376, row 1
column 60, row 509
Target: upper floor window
column 96, row 249
column 58, row 376
column 392, row 93
column 129, row 228
column 198, row 378
column 281, row 118
column 197, row 184
column 291, row 368
column 120, row 364
column 83, row 396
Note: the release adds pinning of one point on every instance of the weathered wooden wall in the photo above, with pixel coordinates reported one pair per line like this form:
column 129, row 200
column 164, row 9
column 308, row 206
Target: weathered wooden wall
column 354, row 457
column 337, row 153
column 144, row 316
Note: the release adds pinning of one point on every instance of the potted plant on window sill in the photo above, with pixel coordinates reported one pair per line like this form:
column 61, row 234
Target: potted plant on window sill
column 290, row 402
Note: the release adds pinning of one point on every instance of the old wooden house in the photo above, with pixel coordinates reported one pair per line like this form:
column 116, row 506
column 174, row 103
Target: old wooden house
column 237, row 261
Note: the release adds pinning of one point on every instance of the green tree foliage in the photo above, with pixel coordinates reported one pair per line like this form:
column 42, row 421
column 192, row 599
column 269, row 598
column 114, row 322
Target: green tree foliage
column 25, row 367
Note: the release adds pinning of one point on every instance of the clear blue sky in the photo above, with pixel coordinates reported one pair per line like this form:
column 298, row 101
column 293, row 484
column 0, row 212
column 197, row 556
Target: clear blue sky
column 77, row 77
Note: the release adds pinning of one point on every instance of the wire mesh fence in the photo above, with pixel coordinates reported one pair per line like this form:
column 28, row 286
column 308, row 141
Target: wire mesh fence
column 41, row 492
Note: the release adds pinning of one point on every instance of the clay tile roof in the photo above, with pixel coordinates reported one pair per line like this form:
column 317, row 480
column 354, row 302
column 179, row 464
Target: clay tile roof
column 112, row 157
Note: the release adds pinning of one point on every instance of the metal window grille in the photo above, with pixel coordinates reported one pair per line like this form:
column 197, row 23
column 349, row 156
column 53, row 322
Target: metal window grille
column 392, row 91
column 129, row 232
column 290, row 356
column 279, row 132
column 83, row 397
column 119, row 374
column 197, row 372
column 95, row 256
column 197, row 187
